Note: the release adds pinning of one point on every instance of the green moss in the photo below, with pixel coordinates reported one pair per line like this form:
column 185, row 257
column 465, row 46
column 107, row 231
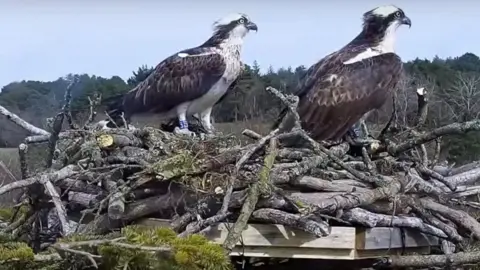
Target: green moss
column 264, row 176
column 17, row 251
column 300, row 204
column 6, row 214
column 7, row 238
column 33, row 266
column 178, row 165
column 193, row 252
column 196, row 252
column 87, row 237
column 19, row 256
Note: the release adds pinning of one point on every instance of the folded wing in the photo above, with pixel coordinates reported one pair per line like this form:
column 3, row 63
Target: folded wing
column 182, row 77
column 331, row 104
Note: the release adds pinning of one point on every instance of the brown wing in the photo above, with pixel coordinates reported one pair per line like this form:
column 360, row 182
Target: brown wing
column 333, row 103
column 176, row 80
column 305, row 84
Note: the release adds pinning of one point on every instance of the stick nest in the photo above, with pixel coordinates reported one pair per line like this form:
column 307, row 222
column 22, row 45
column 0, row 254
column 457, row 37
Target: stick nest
column 104, row 180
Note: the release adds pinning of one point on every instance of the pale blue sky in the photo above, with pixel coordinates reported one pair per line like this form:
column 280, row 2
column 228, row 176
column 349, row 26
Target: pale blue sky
column 43, row 40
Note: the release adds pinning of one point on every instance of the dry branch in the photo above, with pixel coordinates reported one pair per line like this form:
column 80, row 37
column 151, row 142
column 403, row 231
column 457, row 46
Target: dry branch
column 22, row 123
column 109, row 178
column 452, row 129
column 419, row 261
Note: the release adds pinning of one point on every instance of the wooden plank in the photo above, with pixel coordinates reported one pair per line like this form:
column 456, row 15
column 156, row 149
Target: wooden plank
column 262, row 235
column 343, row 243
column 378, row 253
column 328, row 254
column 154, row 222
column 386, row 237
column 297, row 253
column 360, row 238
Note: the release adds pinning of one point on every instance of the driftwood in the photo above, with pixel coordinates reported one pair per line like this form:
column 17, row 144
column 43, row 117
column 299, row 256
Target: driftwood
column 99, row 180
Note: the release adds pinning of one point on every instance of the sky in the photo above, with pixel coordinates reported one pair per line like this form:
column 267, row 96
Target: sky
column 44, row 40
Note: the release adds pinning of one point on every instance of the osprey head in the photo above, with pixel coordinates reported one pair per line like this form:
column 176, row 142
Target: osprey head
column 379, row 28
column 385, row 18
column 235, row 25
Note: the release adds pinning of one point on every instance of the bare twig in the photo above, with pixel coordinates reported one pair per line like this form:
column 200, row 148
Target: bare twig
column 421, row 261
column 291, row 102
column 451, row 129
column 253, row 195
column 66, row 107
column 92, row 104
column 22, row 123
column 422, row 110
column 62, row 213
column 22, row 153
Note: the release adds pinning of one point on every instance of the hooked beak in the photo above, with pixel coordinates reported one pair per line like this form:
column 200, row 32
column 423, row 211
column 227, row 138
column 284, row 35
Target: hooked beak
column 252, row 26
column 405, row 20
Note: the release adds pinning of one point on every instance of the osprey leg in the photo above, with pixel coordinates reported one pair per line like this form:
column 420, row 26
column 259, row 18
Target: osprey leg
column 182, row 128
column 205, row 118
column 359, row 130
column 356, row 130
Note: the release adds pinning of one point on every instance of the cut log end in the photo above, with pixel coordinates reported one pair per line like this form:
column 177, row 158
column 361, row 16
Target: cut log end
column 105, row 140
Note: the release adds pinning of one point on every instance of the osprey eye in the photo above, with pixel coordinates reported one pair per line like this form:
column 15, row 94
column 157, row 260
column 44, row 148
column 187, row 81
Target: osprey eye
column 398, row 14
column 241, row 20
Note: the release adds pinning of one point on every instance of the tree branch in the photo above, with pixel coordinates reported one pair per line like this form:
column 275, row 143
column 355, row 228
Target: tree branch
column 22, row 123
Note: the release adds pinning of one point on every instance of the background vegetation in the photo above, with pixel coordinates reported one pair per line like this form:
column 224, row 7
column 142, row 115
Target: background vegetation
column 453, row 85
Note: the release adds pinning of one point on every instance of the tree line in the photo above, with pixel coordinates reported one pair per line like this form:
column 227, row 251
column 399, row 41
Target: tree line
column 452, row 84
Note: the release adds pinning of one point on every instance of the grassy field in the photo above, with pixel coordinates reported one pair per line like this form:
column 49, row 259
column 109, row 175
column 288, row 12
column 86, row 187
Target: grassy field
column 9, row 157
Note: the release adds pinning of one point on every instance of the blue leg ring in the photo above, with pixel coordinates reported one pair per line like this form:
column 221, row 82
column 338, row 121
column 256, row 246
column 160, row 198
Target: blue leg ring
column 183, row 124
column 357, row 130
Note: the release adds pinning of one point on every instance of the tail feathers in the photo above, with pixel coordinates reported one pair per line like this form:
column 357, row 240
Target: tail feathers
column 115, row 109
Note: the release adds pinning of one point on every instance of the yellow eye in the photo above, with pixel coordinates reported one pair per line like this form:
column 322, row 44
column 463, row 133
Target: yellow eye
column 398, row 14
column 241, row 21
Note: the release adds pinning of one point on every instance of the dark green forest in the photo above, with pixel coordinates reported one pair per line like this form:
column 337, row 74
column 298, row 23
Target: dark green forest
column 453, row 87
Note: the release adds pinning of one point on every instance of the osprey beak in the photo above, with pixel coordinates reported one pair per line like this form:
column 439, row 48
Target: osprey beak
column 252, row 26
column 407, row 21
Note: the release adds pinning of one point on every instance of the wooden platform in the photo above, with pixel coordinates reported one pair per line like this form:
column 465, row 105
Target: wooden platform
column 343, row 243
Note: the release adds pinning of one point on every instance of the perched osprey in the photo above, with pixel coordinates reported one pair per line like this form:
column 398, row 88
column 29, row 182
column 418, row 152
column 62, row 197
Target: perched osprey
column 190, row 81
column 171, row 124
column 340, row 89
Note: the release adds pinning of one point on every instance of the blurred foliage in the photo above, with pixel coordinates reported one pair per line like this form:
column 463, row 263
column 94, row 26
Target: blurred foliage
column 191, row 253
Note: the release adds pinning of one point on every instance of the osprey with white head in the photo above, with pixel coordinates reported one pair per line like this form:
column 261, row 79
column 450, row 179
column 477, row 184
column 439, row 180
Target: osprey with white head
column 379, row 30
column 343, row 87
column 191, row 81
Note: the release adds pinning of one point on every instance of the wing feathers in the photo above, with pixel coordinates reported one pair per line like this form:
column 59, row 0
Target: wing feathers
column 177, row 79
column 341, row 94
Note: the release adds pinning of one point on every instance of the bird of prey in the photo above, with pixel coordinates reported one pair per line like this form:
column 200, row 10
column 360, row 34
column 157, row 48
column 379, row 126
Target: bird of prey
column 190, row 81
column 197, row 127
column 336, row 92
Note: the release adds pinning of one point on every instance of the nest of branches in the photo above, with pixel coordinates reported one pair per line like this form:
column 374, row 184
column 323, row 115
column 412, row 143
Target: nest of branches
column 100, row 180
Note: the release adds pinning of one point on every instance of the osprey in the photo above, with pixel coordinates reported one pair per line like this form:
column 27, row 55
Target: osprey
column 170, row 125
column 191, row 81
column 343, row 87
